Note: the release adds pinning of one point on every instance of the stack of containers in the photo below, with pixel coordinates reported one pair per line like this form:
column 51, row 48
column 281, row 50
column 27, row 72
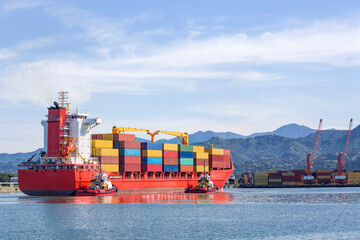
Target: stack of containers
column 107, row 155
column 186, row 158
column 288, row 178
column 323, row 176
column 353, row 177
column 275, row 178
column 261, row 178
column 227, row 158
column 298, row 175
column 129, row 156
column 216, row 157
column 201, row 159
column 170, row 156
column 151, row 157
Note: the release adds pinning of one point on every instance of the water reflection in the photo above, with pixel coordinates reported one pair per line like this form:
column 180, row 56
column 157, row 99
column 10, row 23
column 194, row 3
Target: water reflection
column 139, row 197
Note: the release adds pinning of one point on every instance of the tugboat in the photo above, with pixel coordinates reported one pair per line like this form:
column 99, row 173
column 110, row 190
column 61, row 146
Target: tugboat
column 98, row 186
column 204, row 185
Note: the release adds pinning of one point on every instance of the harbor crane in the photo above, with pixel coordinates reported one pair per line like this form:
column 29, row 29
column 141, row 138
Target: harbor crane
column 341, row 178
column 308, row 178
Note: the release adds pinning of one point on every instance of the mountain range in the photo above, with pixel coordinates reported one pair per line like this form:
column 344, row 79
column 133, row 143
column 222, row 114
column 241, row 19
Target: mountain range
column 281, row 149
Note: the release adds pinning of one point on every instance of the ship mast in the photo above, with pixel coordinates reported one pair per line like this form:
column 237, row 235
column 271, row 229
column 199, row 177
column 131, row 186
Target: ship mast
column 63, row 100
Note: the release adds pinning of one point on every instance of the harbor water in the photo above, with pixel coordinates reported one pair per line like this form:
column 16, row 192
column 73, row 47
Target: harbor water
column 304, row 213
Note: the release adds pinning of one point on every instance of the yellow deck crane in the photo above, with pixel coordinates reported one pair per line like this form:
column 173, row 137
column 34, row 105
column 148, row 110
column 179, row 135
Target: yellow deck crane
column 129, row 129
column 183, row 137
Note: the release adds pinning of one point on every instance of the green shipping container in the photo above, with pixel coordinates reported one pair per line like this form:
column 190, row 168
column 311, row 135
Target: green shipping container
column 185, row 148
column 186, row 161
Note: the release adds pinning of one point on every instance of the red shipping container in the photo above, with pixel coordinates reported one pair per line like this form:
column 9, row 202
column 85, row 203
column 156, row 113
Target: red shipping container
column 275, row 175
column 108, row 160
column 170, row 154
column 151, row 167
column 298, row 178
column 130, row 159
column 226, row 152
column 218, row 164
column 186, row 168
column 124, row 137
column 129, row 144
column 200, row 162
column 129, row 167
column 97, row 136
column 227, row 158
column 323, row 174
column 216, row 157
column 227, row 164
column 298, row 172
column 170, row 161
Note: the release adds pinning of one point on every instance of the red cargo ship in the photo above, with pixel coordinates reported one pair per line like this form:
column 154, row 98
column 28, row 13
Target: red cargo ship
column 68, row 163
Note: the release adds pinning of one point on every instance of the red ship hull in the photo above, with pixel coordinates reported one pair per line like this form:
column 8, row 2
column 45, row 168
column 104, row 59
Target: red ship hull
column 35, row 181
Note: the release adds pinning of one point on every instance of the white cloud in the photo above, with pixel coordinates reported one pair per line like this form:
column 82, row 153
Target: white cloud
column 12, row 5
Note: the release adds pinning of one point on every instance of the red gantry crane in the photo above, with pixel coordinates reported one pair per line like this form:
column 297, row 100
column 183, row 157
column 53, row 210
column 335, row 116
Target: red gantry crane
column 340, row 178
column 308, row 178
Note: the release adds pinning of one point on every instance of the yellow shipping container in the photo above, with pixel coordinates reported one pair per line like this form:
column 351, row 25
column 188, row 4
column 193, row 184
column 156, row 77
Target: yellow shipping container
column 323, row 171
column 107, row 152
column 261, row 178
column 170, row 147
column 274, row 180
column 271, row 171
column 201, row 155
column 288, row 183
column 110, row 167
column 108, row 136
column 201, row 168
column 151, row 153
column 95, row 143
column 198, row 149
column 215, row 151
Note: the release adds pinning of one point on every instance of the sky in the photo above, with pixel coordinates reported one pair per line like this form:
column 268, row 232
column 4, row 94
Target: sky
column 239, row 66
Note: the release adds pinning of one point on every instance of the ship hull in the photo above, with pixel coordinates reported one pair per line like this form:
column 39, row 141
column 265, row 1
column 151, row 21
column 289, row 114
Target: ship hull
column 65, row 182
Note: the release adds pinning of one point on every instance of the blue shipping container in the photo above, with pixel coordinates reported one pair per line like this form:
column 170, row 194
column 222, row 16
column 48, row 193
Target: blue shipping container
column 151, row 160
column 151, row 146
column 129, row 152
column 186, row 154
column 171, row 168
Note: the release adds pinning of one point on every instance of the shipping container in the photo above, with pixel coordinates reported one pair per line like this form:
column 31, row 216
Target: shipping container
column 127, row 144
column 170, row 161
column 186, row 168
column 186, row 161
column 151, row 160
column 129, row 167
column 185, row 148
column 108, row 160
column 170, row 147
column 106, row 152
column 198, row 149
column 201, row 162
column 110, row 167
column 201, row 168
column 107, row 136
column 129, row 152
column 186, row 154
column 213, row 157
column 227, row 152
column 124, row 137
column 271, row 171
column 151, row 167
column 151, row 153
column 171, row 168
column 217, row 164
column 170, row 153
column 201, row 155
column 214, row 151
column 101, row 143
column 151, row 146
column 130, row 159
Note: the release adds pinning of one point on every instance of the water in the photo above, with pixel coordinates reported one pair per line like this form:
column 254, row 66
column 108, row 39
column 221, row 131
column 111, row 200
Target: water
column 314, row 213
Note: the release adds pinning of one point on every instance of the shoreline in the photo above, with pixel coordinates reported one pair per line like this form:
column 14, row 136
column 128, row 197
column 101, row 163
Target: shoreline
column 9, row 189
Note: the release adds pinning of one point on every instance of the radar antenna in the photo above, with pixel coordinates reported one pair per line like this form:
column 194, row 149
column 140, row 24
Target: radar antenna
column 63, row 100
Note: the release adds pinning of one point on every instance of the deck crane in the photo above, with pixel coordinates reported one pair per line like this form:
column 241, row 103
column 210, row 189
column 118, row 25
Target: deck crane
column 129, row 129
column 308, row 178
column 340, row 178
column 183, row 137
